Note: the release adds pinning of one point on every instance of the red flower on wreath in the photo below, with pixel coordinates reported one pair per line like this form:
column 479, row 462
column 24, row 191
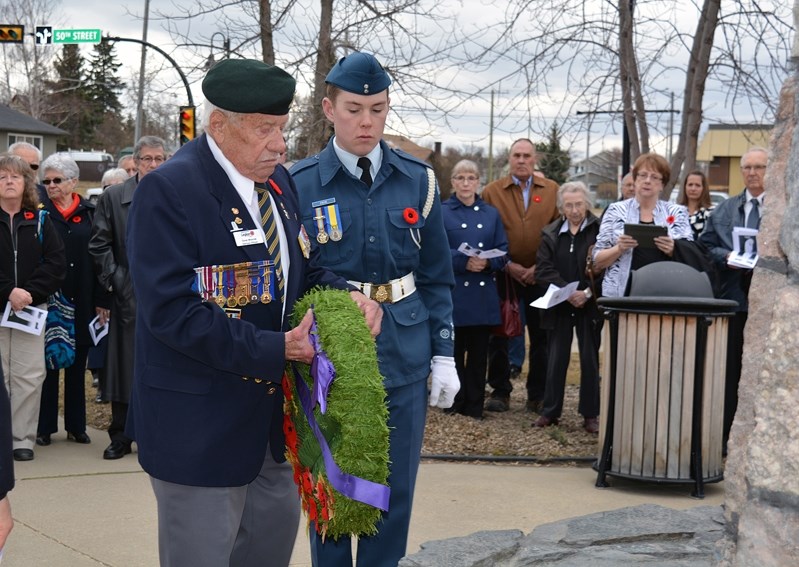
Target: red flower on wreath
column 537, row 198
column 670, row 220
column 28, row 215
column 410, row 215
column 76, row 219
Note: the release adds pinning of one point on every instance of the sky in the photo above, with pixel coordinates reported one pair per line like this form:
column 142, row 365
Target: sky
column 468, row 128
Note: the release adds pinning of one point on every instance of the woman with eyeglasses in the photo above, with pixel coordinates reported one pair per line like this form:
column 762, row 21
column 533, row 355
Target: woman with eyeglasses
column 475, row 301
column 72, row 217
column 32, row 267
column 620, row 253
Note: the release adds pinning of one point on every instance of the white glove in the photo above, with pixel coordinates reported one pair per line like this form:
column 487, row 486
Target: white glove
column 445, row 383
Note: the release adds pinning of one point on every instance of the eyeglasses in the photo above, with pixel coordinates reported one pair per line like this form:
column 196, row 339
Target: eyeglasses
column 150, row 159
column 55, row 180
column 652, row 176
column 753, row 167
column 469, row 178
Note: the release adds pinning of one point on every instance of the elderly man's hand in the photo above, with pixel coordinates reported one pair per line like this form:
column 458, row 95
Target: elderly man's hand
column 298, row 346
column 371, row 310
column 19, row 298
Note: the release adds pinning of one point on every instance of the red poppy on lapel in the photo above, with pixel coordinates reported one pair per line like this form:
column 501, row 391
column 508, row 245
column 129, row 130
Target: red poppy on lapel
column 410, row 215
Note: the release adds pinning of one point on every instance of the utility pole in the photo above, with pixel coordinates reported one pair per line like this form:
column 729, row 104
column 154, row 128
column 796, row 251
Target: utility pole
column 490, row 176
column 140, row 95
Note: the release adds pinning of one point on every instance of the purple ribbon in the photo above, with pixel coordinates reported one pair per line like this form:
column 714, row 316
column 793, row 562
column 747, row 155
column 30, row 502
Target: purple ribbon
column 322, row 370
column 372, row 493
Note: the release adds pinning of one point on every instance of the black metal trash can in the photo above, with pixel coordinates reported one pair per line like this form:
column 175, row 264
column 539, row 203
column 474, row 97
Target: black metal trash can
column 663, row 401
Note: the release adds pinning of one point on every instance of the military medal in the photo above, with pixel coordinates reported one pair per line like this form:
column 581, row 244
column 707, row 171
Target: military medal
column 243, row 285
column 255, row 283
column 305, row 242
column 321, row 234
column 266, row 280
column 333, row 216
column 230, row 285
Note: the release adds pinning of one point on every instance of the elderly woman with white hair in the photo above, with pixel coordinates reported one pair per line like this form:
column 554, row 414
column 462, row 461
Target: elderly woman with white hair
column 72, row 216
column 561, row 260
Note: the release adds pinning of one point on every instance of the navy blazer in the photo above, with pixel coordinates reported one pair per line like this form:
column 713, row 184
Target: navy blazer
column 197, row 413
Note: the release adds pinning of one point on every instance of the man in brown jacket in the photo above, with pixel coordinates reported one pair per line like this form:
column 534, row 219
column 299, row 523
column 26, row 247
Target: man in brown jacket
column 526, row 204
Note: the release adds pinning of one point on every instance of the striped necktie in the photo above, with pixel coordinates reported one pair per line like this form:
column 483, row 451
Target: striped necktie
column 272, row 239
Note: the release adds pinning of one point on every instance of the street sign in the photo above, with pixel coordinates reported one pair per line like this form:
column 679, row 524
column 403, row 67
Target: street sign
column 44, row 35
column 77, row 36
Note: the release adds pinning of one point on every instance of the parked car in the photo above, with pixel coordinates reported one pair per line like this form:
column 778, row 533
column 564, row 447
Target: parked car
column 93, row 194
column 716, row 197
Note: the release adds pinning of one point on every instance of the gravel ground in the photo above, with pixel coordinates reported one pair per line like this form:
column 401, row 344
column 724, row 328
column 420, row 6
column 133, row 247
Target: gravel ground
column 500, row 434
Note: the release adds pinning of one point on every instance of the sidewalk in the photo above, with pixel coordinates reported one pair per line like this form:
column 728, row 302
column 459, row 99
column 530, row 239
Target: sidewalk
column 73, row 509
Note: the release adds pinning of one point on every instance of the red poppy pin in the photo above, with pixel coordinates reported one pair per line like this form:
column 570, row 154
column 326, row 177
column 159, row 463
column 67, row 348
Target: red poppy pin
column 28, row 215
column 410, row 215
column 670, row 220
column 76, row 219
column 537, row 198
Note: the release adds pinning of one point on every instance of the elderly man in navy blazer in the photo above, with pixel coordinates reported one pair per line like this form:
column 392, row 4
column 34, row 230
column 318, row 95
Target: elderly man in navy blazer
column 218, row 257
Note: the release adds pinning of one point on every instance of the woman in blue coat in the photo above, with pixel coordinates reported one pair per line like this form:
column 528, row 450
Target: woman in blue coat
column 470, row 220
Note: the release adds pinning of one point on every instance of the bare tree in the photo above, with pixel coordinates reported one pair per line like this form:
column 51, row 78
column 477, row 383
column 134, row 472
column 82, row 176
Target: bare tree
column 623, row 57
column 26, row 66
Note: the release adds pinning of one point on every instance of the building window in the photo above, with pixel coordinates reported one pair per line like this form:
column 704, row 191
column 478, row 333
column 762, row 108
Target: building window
column 35, row 140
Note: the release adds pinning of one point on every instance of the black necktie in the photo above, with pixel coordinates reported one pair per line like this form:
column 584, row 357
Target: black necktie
column 754, row 215
column 366, row 175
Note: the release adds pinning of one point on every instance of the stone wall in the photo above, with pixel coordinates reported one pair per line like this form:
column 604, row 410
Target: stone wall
column 762, row 470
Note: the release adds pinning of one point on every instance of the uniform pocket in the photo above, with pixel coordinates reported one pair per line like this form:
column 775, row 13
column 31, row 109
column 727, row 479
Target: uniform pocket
column 404, row 236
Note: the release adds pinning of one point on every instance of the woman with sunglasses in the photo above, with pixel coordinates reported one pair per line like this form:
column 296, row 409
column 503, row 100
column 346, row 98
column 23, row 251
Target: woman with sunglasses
column 620, row 253
column 32, row 266
column 72, row 216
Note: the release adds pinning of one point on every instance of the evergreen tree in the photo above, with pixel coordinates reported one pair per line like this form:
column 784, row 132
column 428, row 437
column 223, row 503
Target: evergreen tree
column 553, row 161
column 69, row 106
column 103, row 89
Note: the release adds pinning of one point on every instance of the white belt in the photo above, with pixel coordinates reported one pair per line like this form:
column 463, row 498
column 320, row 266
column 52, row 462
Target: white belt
column 389, row 292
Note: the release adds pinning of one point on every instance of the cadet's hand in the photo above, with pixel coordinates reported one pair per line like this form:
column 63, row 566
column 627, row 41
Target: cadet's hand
column 371, row 310
column 445, row 383
column 298, row 346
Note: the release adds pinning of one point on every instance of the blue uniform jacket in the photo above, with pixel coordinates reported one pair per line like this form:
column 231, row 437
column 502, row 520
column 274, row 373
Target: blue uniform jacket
column 378, row 246
column 475, row 300
column 196, row 419
column 717, row 238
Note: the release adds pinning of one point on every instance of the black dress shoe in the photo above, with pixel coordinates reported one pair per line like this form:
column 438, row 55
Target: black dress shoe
column 81, row 438
column 116, row 450
column 43, row 440
column 23, row 454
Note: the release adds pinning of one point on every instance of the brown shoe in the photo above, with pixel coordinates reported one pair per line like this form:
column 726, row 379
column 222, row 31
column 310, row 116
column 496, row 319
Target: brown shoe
column 591, row 425
column 544, row 421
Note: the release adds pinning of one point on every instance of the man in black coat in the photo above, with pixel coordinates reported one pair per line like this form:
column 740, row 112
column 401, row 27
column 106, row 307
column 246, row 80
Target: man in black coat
column 107, row 248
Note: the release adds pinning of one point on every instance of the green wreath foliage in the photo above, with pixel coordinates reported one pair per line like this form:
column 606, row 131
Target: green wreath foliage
column 355, row 424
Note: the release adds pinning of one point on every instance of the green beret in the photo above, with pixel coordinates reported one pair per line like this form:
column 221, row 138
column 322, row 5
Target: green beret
column 359, row 73
column 249, row 86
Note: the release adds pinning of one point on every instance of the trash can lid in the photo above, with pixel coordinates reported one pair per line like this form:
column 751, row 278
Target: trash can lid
column 672, row 279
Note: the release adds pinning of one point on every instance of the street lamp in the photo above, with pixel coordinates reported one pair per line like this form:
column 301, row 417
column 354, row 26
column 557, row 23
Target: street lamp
column 225, row 45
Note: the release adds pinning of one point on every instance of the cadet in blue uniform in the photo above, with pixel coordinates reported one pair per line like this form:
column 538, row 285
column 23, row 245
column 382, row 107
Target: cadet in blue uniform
column 374, row 213
column 218, row 257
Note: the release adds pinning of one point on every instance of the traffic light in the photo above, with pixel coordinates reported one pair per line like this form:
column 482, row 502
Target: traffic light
column 11, row 34
column 187, row 125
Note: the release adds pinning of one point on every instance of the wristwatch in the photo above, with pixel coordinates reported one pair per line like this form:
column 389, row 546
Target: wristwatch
column 587, row 292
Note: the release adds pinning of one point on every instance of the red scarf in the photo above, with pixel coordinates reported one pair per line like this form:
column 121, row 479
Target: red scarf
column 66, row 213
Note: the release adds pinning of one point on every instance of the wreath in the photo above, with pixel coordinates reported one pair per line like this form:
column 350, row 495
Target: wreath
column 335, row 420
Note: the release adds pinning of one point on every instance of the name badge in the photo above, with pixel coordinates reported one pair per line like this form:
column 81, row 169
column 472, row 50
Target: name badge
column 248, row 237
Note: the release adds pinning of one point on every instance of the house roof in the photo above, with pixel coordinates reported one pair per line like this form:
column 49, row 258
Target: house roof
column 404, row 144
column 14, row 121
